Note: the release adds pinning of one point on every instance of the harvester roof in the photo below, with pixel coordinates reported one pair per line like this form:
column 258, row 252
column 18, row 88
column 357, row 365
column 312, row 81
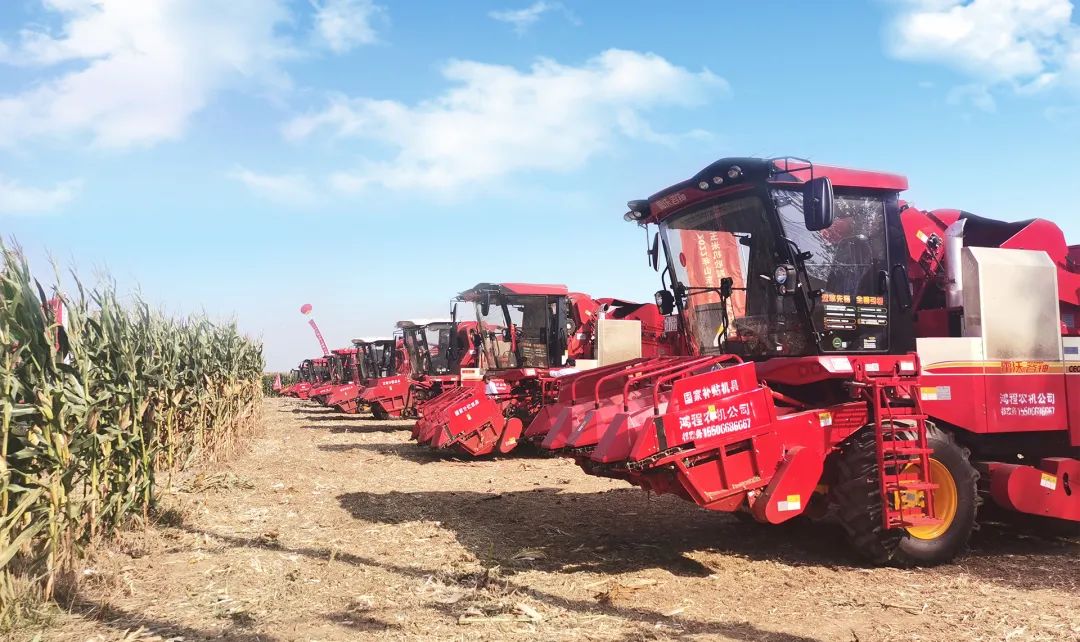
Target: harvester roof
column 735, row 174
column 344, row 351
column 363, row 340
column 419, row 323
column 539, row 289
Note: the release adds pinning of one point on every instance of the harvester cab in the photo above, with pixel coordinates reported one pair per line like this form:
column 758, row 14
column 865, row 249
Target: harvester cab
column 851, row 356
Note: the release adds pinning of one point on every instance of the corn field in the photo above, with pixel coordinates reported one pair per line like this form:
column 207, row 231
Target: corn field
column 94, row 411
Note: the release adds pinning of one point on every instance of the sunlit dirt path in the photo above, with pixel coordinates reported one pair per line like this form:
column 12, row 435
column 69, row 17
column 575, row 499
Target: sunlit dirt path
column 332, row 527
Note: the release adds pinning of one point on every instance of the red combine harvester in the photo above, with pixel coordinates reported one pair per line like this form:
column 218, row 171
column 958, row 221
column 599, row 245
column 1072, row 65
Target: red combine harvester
column 436, row 350
column 852, row 356
column 524, row 339
column 340, row 367
column 310, row 374
column 291, row 389
column 345, row 397
column 388, row 365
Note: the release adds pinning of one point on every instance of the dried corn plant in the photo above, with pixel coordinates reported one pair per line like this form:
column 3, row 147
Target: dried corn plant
column 93, row 411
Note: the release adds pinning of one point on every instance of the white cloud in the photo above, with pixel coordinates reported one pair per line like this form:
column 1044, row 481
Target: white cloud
column 16, row 198
column 295, row 190
column 345, row 24
column 522, row 19
column 496, row 120
column 977, row 96
column 1021, row 43
column 134, row 73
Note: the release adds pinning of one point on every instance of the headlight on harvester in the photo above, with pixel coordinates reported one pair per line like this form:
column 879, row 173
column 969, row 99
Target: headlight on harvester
column 784, row 278
column 780, row 275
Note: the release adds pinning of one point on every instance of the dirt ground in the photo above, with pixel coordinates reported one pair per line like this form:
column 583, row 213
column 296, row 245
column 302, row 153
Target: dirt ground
column 333, row 527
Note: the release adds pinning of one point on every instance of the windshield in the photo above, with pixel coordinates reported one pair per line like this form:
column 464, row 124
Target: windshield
column 518, row 332
column 732, row 240
column 846, row 263
column 437, row 337
column 413, row 338
column 368, row 360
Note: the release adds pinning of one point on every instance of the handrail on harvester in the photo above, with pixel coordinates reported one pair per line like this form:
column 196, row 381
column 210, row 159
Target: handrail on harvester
column 627, row 372
column 707, row 362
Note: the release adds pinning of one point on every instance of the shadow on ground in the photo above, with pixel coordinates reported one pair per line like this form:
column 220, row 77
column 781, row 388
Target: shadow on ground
column 125, row 622
column 360, row 428
column 626, row 530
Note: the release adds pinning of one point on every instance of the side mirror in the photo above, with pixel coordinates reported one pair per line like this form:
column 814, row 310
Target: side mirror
column 453, row 312
column 485, row 305
column 818, row 203
column 654, row 252
column 665, row 300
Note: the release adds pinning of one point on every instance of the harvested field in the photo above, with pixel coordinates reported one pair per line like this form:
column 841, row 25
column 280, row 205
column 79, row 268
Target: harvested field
column 334, row 528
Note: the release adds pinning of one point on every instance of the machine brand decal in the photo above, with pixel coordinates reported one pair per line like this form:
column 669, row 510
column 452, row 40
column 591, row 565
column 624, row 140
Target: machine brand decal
column 1047, row 480
column 670, row 201
column 1024, row 367
column 705, row 393
column 715, row 421
column 1023, row 404
column 824, row 419
column 873, row 367
column 466, row 408
column 793, row 502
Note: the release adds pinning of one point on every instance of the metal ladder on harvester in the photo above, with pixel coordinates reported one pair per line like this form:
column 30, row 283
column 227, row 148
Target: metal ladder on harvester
column 903, row 454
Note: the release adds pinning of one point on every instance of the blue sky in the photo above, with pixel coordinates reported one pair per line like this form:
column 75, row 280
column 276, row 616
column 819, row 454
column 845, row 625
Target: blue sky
column 372, row 158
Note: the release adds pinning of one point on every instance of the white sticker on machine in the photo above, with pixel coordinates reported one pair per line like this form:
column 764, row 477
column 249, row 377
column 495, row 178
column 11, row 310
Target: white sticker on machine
column 1048, row 481
column 793, row 502
column 936, row 393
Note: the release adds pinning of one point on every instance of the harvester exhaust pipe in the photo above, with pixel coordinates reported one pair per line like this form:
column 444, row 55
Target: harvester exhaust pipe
column 954, row 247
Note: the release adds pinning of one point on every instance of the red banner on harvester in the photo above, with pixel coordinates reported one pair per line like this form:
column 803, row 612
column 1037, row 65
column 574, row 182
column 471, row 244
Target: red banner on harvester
column 710, row 257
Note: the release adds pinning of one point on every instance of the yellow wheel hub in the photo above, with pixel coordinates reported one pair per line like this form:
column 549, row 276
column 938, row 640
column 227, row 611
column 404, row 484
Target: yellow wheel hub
column 944, row 499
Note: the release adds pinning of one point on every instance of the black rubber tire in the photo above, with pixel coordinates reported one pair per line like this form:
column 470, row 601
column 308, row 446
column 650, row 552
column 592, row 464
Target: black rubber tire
column 378, row 412
column 859, row 506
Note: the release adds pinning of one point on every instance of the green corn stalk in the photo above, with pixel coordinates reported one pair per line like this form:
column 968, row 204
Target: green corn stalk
column 90, row 415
